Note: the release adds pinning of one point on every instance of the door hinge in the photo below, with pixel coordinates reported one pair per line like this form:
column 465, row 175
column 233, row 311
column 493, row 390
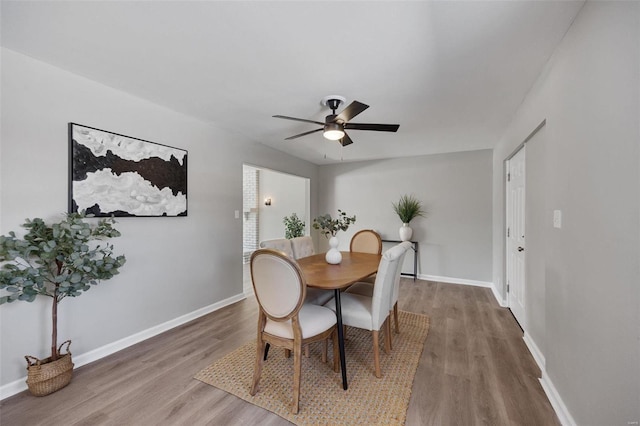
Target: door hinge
column 508, row 232
column 508, row 177
column 507, row 287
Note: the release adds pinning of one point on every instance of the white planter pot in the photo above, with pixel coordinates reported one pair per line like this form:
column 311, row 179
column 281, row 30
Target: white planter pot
column 333, row 256
column 405, row 232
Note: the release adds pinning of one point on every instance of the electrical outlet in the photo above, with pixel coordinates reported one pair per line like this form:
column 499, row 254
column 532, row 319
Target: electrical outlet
column 237, row 214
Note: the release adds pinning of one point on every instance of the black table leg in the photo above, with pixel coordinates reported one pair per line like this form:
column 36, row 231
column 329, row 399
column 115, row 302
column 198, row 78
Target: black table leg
column 343, row 360
column 266, row 351
column 415, row 262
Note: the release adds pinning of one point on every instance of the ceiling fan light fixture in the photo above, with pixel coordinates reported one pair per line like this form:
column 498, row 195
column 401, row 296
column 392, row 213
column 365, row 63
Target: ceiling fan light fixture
column 333, row 131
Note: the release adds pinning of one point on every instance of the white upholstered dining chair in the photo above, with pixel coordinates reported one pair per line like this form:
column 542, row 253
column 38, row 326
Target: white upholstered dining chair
column 284, row 319
column 281, row 244
column 302, row 247
column 297, row 248
column 372, row 312
column 366, row 288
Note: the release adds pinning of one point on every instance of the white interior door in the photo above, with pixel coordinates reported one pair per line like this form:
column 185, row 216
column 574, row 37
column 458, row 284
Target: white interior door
column 516, row 285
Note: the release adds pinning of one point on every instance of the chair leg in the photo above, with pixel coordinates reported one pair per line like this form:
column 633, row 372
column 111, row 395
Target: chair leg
column 257, row 371
column 387, row 335
column 297, row 372
column 325, row 345
column 336, row 352
column 395, row 316
column 376, row 353
column 390, row 334
column 287, row 353
column 306, row 351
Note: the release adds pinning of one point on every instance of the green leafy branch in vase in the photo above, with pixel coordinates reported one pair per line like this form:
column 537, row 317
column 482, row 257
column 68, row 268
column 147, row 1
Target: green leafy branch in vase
column 330, row 227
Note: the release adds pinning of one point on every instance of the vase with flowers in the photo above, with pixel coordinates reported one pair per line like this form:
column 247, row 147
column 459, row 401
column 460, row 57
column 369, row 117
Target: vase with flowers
column 329, row 227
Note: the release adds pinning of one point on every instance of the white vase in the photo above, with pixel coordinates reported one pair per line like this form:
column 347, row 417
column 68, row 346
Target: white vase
column 333, row 256
column 405, row 232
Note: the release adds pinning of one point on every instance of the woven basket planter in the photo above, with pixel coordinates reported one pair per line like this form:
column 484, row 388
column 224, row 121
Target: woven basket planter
column 45, row 376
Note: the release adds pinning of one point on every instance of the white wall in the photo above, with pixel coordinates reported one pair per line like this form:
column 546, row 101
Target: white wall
column 175, row 266
column 585, row 163
column 455, row 235
column 288, row 195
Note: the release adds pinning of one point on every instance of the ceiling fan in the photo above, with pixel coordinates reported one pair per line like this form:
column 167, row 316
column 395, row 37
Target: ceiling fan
column 334, row 126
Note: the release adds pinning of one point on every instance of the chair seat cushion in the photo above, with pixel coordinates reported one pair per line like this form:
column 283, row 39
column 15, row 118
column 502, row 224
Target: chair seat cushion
column 317, row 296
column 356, row 310
column 363, row 288
column 313, row 321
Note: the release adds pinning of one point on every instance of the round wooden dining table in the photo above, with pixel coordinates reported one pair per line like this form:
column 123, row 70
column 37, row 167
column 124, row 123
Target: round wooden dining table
column 354, row 267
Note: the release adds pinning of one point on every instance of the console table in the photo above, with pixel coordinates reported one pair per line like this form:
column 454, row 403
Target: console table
column 414, row 246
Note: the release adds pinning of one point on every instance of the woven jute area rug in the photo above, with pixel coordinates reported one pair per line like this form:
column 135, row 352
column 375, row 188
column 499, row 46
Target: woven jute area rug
column 368, row 400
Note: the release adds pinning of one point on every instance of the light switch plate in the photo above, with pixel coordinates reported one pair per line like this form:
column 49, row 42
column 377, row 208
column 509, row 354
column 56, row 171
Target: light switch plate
column 557, row 219
column 237, row 214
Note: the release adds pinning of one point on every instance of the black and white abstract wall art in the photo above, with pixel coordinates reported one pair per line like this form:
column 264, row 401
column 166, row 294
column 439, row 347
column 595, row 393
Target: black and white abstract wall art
column 116, row 175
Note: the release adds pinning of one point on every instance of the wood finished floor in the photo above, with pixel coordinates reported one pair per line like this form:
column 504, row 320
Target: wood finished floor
column 475, row 370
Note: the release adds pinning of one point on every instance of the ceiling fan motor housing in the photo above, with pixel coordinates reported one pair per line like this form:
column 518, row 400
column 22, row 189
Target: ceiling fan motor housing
column 332, row 118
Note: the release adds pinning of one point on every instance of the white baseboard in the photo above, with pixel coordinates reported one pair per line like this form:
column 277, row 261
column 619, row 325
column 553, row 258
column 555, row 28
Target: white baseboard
column 464, row 281
column 535, row 351
column 504, row 303
column 556, row 402
column 450, row 280
column 549, row 389
column 20, row 385
column 13, row 388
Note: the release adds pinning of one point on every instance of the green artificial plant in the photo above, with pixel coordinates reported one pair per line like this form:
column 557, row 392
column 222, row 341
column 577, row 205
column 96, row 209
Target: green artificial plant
column 329, row 226
column 408, row 208
column 59, row 260
column 293, row 226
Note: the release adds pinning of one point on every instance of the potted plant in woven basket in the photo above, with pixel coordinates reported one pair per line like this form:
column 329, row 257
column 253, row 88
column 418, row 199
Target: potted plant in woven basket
column 56, row 260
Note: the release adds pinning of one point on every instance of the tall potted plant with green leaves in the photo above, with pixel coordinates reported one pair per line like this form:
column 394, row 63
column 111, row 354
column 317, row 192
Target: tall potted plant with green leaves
column 58, row 260
column 329, row 227
column 407, row 209
column 293, row 226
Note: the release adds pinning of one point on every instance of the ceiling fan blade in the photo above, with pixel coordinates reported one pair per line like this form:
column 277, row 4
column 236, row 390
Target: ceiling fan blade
column 298, row 119
column 303, row 134
column 376, row 127
column 346, row 140
column 351, row 111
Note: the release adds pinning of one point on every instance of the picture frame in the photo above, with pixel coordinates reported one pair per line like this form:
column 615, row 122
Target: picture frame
column 116, row 175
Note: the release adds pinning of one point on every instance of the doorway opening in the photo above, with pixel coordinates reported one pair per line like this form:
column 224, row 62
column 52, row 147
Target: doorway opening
column 524, row 228
column 268, row 196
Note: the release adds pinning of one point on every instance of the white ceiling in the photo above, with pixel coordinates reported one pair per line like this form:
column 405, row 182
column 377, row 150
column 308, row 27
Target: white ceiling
column 450, row 73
